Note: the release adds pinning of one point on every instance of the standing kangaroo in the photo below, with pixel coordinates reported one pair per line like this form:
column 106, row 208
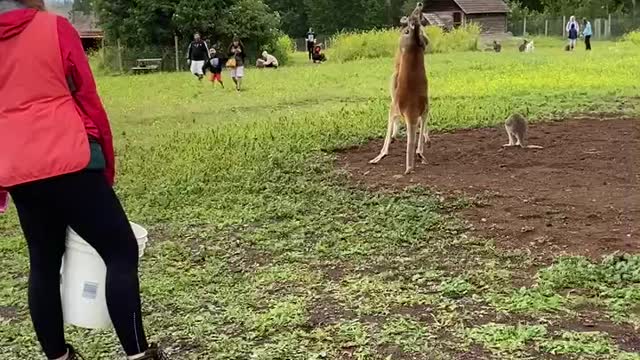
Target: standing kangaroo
column 409, row 91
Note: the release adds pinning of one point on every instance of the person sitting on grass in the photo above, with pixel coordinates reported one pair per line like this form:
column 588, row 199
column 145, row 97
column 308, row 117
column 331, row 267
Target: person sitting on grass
column 268, row 61
column 318, row 56
column 214, row 65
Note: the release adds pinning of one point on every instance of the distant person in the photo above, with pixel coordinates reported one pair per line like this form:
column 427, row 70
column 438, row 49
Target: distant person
column 318, row 56
column 573, row 30
column 237, row 55
column 270, row 61
column 214, row 65
column 197, row 55
column 497, row 47
column 57, row 162
column 587, row 33
column 311, row 42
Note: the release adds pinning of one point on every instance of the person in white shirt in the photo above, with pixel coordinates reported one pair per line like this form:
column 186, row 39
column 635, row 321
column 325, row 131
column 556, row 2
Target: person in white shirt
column 269, row 61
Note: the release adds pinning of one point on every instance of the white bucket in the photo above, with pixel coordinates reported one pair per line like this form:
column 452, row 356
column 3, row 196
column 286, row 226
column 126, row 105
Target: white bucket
column 82, row 286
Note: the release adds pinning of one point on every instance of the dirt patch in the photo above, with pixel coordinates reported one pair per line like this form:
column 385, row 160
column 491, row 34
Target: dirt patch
column 8, row 313
column 580, row 195
column 590, row 320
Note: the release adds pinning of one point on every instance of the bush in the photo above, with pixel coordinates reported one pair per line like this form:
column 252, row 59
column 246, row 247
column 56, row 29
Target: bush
column 282, row 48
column 367, row 45
column 383, row 43
column 632, row 37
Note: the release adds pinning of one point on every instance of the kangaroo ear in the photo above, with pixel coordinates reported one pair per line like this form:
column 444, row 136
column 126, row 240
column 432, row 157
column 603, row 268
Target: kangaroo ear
column 404, row 21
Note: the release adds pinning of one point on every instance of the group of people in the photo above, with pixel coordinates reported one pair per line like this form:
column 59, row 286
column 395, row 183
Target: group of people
column 202, row 60
column 573, row 32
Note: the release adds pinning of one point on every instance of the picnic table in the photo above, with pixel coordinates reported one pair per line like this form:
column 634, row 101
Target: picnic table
column 146, row 66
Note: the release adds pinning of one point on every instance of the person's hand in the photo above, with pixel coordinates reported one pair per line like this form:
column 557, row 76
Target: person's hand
column 188, row 61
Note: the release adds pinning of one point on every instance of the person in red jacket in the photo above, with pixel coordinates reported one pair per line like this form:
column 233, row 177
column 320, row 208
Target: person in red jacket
column 57, row 163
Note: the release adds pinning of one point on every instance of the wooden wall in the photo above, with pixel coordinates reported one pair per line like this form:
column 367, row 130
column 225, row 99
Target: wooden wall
column 435, row 6
column 490, row 23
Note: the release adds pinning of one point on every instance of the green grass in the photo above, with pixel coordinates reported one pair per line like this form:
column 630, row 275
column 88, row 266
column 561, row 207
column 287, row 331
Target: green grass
column 261, row 249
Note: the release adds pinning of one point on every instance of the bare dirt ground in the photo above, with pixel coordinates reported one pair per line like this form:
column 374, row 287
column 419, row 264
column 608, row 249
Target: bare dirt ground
column 580, row 195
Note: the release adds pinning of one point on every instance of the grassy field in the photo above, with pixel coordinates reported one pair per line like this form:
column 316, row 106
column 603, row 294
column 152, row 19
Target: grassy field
column 261, row 248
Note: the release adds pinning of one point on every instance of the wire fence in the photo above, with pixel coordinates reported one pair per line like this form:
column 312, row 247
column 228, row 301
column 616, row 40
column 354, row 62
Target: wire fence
column 603, row 28
column 114, row 57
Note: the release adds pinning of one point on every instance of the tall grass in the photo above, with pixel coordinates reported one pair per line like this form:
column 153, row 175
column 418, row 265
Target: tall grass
column 282, row 48
column 383, row 43
column 632, row 37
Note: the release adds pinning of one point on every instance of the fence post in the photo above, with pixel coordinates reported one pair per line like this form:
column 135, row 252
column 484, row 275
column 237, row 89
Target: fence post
column 102, row 50
column 120, row 65
column 609, row 27
column 524, row 27
column 564, row 27
column 546, row 27
column 175, row 40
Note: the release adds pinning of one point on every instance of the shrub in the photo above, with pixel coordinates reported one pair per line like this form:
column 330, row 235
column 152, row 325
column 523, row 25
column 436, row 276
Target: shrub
column 282, row 47
column 367, row 45
column 383, row 43
column 632, row 37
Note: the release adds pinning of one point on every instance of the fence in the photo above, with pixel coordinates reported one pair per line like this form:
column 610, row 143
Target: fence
column 612, row 26
column 301, row 43
column 115, row 57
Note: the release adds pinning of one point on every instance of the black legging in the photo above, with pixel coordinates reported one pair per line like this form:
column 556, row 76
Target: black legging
column 587, row 42
column 85, row 202
column 310, row 47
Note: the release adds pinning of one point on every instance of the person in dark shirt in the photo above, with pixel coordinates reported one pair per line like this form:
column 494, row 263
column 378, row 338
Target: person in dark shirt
column 311, row 42
column 197, row 55
column 238, row 53
column 214, row 64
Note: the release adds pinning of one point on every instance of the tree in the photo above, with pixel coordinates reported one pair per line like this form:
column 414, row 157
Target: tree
column 84, row 6
column 142, row 22
column 293, row 16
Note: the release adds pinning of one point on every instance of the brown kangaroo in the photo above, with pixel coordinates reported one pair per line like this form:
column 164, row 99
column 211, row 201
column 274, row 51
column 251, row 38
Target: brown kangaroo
column 409, row 90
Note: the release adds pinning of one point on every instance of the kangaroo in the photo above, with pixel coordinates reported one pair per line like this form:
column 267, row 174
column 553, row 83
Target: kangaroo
column 409, row 90
column 517, row 128
column 523, row 46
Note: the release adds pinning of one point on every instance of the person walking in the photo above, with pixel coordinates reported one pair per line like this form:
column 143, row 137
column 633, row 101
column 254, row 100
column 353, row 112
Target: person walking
column 238, row 55
column 57, row 163
column 311, row 42
column 587, row 32
column 215, row 66
column 573, row 30
column 197, row 55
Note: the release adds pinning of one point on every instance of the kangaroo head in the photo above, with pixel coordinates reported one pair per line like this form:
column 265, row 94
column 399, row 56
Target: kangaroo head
column 412, row 36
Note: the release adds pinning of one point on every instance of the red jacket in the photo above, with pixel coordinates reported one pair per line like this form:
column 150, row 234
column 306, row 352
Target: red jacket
column 76, row 67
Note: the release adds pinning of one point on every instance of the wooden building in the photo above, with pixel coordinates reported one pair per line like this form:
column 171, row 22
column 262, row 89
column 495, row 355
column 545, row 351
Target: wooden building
column 87, row 26
column 491, row 15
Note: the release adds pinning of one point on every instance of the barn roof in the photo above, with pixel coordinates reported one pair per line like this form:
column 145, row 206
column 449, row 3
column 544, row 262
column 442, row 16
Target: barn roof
column 86, row 24
column 483, row 6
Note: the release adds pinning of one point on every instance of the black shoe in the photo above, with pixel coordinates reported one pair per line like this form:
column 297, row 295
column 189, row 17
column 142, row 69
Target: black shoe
column 73, row 355
column 154, row 353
